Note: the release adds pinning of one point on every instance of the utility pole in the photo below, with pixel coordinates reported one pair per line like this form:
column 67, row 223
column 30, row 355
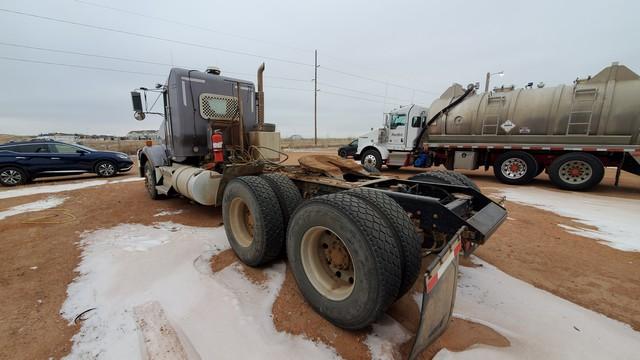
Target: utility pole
column 315, row 99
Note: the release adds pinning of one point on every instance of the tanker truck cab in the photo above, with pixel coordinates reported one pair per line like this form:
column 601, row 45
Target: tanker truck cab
column 392, row 144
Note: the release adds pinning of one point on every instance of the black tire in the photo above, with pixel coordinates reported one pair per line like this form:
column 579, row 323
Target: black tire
column 462, row 178
column 515, row 168
column 287, row 193
column 342, row 153
column 13, row 176
column 406, row 237
column 436, row 176
column 105, row 168
column 393, row 167
column 372, row 158
column 150, row 181
column 370, row 245
column 253, row 227
column 589, row 171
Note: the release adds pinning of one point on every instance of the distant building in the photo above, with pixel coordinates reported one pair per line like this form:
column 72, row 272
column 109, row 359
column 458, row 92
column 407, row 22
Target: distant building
column 142, row 134
column 68, row 138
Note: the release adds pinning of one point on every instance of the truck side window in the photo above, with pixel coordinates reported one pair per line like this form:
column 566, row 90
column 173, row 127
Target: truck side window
column 398, row 120
column 416, row 121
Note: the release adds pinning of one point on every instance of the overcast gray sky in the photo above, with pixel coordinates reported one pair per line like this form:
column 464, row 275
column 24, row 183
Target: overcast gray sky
column 423, row 46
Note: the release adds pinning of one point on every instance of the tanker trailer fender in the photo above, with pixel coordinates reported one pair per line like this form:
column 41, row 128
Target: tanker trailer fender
column 154, row 154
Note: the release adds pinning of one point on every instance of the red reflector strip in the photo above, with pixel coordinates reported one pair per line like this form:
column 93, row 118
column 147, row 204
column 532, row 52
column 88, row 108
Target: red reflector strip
column 457, row 248
column 431, row 282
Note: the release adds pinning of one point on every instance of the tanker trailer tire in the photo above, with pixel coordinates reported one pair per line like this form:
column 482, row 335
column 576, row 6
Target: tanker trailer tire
column 150, row 181
column 576, row 171
column 436, row 176
column 253, row 227
column 372, row 158
column 405, row 235
column 462, row 178
column 515, row 168
column 344, row 258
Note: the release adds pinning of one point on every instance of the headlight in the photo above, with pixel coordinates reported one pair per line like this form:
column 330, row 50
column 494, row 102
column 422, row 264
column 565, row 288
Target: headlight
column 123, row 156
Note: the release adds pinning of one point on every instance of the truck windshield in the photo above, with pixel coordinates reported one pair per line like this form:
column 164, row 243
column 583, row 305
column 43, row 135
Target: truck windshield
column 398, row 120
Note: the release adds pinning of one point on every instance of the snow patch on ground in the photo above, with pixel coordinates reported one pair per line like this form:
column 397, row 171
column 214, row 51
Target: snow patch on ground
column 39, row 205
column 538, row 324
column 384, row 338
column 221, row 315
column 168, row 213
column 48, row 189
column 615, row 218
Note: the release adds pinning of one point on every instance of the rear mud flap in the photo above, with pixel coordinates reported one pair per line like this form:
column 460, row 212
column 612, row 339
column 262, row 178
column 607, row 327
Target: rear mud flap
column 439, row 296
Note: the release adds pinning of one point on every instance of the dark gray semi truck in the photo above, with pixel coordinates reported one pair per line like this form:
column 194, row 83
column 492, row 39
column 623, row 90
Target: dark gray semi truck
column 355, row 241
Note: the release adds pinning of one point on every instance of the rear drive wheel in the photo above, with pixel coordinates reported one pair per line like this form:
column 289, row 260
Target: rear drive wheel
column 372, row 159
column 438, row 177
column 344, row 258
column 105, row 168
column 462, row 178
column 406, row 237
column 12, row 176
column 576, row 171
column 252, row 224
column 515, row 168
column 288, row 197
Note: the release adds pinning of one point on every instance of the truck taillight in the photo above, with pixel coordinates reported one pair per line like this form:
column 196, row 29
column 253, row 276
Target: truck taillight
column 216, row 144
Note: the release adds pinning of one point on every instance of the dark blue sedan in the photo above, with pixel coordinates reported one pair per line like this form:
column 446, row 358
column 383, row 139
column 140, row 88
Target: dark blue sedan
column 24, row 161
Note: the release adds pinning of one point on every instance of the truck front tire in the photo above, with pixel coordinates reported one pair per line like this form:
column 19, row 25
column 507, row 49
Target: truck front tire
column 576, row 171
column 515, row 168
column 372, row 158
column 254, row 228
column 344, row 258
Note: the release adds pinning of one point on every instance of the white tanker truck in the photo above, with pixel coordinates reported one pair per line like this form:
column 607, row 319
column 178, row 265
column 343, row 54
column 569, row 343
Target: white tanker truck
column 570, row 131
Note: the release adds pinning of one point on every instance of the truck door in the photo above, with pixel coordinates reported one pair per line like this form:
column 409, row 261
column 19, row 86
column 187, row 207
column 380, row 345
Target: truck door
column 397, row 131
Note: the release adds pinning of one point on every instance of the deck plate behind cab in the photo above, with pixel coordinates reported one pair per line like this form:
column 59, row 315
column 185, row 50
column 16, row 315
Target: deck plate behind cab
column 331, row 165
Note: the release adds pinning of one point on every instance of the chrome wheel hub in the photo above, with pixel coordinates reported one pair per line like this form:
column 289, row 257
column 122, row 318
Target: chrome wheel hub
column 10, row 177
column 575, row 172
column 514, row 168
column 370, row 160
column 106, row 169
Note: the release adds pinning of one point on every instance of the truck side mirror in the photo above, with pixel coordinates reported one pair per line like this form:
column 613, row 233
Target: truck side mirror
column 136, row 101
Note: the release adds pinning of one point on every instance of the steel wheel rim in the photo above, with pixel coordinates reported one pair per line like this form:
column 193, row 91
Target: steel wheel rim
column 514, row 168
column 106, row 169
column 11, row 177
column 241, row 222
column 370, row 160
column 327, row 263
column 575, row 172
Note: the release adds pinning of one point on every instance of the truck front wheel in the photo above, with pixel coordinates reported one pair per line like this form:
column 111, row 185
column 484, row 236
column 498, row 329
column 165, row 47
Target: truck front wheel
column 372, row 158
column 576, row 171
column 344, row 258
column 254, row 228
column 515, row 168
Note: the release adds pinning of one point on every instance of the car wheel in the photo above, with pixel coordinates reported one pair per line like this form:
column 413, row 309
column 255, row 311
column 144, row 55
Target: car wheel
column 576, row 171
column 342, row 153
column 515, row 168
column 372, row 159
column 105, row 168
column 12, row 176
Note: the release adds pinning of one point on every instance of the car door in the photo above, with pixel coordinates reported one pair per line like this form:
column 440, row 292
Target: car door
column 34, row 158
column 70, row 158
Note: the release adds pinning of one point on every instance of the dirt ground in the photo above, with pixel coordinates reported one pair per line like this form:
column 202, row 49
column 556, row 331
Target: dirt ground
column 39, row 252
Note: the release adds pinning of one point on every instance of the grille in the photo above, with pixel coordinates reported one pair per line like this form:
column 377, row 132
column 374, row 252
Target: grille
column 218, row 107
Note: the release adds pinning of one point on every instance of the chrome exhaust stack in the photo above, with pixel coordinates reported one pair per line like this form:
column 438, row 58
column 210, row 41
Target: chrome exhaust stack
column 260, row 98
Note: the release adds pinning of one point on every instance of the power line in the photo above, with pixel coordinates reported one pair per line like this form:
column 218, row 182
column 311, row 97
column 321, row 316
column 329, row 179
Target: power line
column 354, row 97
column 176, row 22
column 127, row 59
column 376, row 80
column 153, row 37
column 361, row 92
column 79, row 66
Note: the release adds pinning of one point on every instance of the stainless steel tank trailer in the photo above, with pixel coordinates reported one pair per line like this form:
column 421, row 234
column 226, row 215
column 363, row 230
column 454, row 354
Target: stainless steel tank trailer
column 354, row 241
column 570, row 131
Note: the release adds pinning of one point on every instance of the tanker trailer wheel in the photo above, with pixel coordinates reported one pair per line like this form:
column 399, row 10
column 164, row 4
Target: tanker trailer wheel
column 372, row 159
column 252, row 220
column 515, row 168
column 406, row 237
column 344, row 258
column 576, row 171
column 150, row 181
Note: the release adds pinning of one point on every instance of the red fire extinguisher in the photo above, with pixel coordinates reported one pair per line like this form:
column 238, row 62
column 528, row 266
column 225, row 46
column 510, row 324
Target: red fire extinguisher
column 218, row 152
